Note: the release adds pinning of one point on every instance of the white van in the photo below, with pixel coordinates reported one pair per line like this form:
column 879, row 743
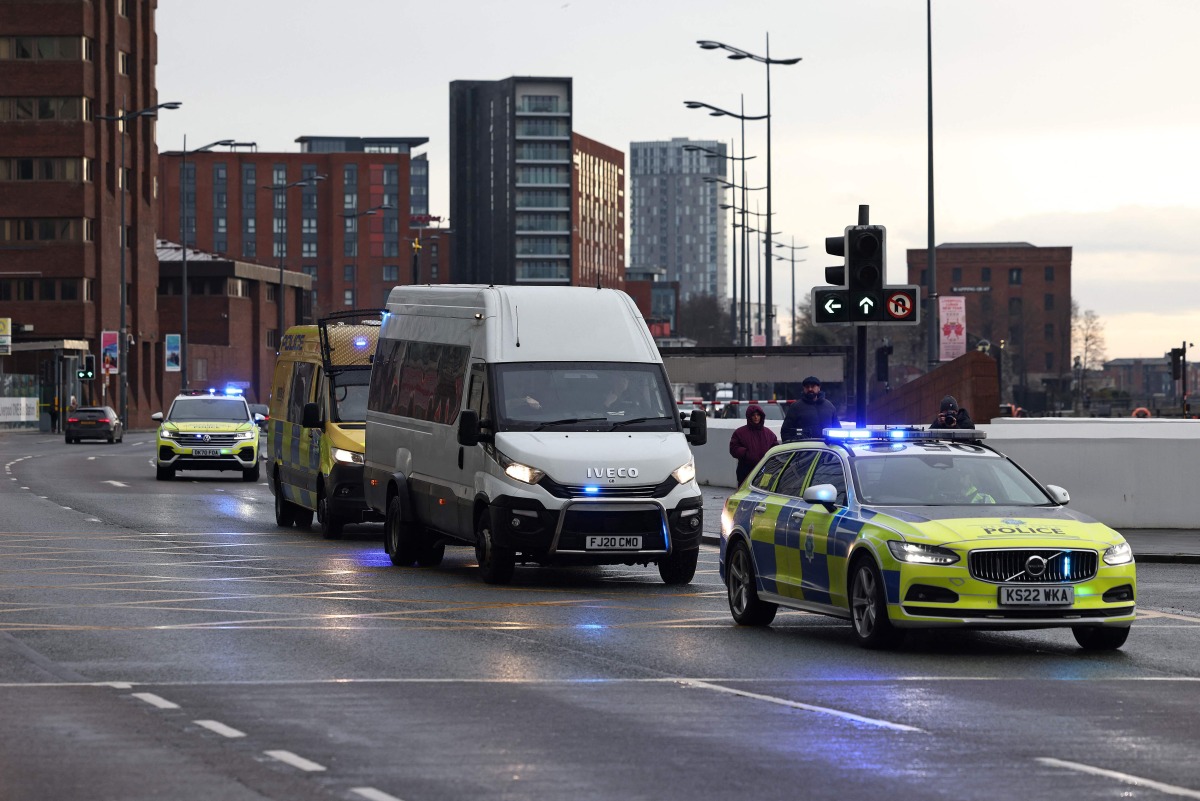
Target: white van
column 533, row 423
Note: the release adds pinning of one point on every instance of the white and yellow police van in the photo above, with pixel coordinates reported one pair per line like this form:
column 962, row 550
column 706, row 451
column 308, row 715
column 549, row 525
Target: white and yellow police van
column 318, row 420
column 534, row 423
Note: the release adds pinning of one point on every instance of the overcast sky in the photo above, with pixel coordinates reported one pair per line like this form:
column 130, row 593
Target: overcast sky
column 1056, row 122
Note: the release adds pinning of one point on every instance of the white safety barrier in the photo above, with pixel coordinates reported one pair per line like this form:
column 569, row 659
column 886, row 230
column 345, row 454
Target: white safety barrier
column 1125, row 472
column 18, row 410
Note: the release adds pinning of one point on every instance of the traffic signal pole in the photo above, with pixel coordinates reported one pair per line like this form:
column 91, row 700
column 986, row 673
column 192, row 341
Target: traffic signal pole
column 860, row 349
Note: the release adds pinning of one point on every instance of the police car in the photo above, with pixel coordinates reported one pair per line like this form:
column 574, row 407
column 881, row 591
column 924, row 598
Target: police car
column 207, row 431
column 898, row 528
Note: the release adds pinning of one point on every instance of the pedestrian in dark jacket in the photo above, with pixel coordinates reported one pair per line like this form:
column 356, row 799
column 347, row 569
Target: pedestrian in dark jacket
column 751, row 442
column 952, row 416
column 809, row 416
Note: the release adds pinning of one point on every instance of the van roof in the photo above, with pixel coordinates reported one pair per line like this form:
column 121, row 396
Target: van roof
column 538, row 323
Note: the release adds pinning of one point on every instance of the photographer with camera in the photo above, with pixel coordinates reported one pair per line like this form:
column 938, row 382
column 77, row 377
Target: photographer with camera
column 951, row 416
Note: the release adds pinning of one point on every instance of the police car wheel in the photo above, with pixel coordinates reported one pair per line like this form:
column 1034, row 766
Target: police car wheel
column 744, row 604
column 678, row 567
column 285, row 516
column 868, row 608
column 1093, row 638
column 331, row 524
column 496, row 564
column 164, row 473
column 251, row 474
column 398, row 536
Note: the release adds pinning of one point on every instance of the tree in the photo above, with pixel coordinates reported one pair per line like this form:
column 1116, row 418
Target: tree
column 1087, row 344
column 705, row 319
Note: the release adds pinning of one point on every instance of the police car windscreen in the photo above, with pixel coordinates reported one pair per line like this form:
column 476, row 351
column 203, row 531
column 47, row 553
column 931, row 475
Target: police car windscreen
column 350, row 396
column 213, row 410
column 913, row 478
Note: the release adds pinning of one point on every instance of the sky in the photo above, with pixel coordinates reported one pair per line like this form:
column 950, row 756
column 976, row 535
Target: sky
column 1056, row 122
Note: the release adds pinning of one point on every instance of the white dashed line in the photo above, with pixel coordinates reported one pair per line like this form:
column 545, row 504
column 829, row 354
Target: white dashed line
column 883, row 724
column 117, row 685
column 156, row 700
column 372, row 794
column 1169, row 789
column 219, row 728
column 295, row 761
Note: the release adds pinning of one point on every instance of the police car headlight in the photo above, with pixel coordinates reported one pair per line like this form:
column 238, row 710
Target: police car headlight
column 165, row 434
column 922, row 554
column 685, row 473
column 348, row 457
column 244, row 435
column 521, row 472
column 1119, row 554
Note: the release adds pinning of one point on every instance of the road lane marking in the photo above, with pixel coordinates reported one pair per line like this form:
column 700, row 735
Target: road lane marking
column 115, row 483
column 156, row 700
column 1138, row 781
column 824, row 710
column 294, row 760
column 371, row 794
column 219, row 728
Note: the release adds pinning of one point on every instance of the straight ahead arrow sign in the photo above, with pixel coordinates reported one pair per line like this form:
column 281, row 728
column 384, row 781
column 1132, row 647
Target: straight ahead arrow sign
column 866, row 304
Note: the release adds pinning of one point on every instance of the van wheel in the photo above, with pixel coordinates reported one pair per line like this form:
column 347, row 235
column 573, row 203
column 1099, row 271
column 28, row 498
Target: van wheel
column 1092, row 638
column 496, row 564
column 164, row 473
column 868, row 608
column 744, row 604
column 285, row 515
column 678, row 567
column 252, row 474
column 398, row 536
column 431, row 552
column 331, row 524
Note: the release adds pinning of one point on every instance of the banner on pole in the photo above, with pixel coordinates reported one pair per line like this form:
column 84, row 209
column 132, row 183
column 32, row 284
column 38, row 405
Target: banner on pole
column 109, row 354
column 952, row 317
column 173, row 353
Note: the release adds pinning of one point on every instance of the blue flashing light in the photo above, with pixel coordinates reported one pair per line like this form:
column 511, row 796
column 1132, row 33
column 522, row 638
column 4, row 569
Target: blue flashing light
column 1067, row 565
column 591, row 490
column 232, row 391
column 847, row 433
column 360, row 342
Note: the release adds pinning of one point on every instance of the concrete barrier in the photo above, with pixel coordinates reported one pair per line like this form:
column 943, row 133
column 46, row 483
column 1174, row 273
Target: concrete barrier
column 1126, row 472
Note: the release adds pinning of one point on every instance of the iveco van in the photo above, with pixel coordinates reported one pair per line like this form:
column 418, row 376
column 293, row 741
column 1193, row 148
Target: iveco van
column 317, row 421
column 535, row 424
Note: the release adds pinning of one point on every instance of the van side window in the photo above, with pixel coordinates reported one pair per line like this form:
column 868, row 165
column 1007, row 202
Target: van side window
column 302, row 379
column 478, row 398
column 385, row 371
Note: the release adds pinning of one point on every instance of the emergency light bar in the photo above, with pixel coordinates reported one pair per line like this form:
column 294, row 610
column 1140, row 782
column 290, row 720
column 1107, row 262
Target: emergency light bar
column 900, row 434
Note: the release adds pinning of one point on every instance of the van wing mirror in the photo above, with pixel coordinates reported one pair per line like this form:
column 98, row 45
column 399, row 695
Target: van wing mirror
column 697, row 427
column 311, row 416
column 468, row 428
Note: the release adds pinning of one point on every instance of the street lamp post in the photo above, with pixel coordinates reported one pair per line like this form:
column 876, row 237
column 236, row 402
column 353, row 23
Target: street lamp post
column 276, row 189
column 183, row 242
column 738, row 54
column 122, row 335
column 793, row 248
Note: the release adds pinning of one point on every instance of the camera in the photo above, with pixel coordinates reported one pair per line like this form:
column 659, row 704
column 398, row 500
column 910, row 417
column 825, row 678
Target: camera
column 950, row 416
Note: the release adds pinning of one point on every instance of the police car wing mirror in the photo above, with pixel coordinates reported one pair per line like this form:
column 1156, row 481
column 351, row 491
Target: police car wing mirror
column 824, row 494
column 1060, row 495
column 310, row 417
column 156, row 417
column 697, row 427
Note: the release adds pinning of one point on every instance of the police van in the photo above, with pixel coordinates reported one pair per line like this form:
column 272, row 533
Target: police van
column 535, row 424
column 317, row 421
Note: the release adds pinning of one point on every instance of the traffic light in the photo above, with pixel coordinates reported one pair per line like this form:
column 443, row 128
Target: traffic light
column 881, row 362
column 835, row 246
column 864, row 258
column 88, row 372
column 1176, row 355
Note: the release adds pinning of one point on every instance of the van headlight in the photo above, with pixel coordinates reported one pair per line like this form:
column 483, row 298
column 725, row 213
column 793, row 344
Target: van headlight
column 686, row 472
column 1119, row 554
column 347, row 457
column 916, row 553
column 521, row 472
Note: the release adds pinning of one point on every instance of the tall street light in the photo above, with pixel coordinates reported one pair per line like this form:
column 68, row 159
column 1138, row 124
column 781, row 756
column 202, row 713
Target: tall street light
column 733, row 269
column 122, row 335
column 737, row 54
column 353, row 215
column 793, row 248
column 281, row 222
column 183, row 205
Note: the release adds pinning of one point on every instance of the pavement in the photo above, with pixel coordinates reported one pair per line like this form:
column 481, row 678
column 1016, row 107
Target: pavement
column 1162, row 545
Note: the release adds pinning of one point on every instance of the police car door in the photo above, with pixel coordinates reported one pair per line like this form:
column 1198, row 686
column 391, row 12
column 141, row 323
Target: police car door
column 791, row 484
column 757, row 515
column 818, row 552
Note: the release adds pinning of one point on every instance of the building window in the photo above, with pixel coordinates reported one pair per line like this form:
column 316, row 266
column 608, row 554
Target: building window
column 308, row 225
column 68, row 289
column 1049, row 273
column 45, row 48
column 200, row 369
column 350, row 248
column 248, row 248
column 985, row 275
column 348, row 273
column 956, row 275
column 308, row 250
column 1050, row 331
column 350, row 200
column 1049, row 302
column 1049, row 360
column 1014, row 276
column 273, row 339
column 123, row 63
column 391, row 273
column 348, row 298
column 1014, row 308
column 279, row 174
column 38, row 109
column 272, row 292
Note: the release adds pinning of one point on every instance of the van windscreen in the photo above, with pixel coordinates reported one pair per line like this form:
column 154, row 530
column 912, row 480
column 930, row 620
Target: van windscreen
column 349, row 396
column 583, row 396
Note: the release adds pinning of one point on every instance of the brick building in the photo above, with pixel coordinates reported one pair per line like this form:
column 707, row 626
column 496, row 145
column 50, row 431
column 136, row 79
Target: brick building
column 1017, row 294
column 62, row 180
column 598, row 189
column 332, row 229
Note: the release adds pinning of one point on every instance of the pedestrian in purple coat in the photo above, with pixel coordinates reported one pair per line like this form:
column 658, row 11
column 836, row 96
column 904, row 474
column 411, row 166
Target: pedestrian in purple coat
column 751, row 442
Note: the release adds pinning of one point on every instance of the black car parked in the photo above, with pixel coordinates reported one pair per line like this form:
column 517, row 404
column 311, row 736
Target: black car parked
column 93, row 422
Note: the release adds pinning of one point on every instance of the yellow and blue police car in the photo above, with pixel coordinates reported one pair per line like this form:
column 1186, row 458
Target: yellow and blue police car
column 207, row 431
column 901, row 528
